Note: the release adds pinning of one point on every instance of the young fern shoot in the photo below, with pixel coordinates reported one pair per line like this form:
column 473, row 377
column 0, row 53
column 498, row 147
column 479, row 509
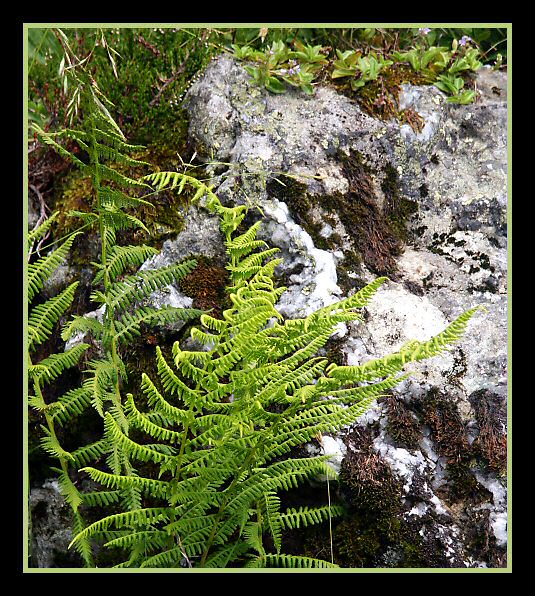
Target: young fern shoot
column 223, row 421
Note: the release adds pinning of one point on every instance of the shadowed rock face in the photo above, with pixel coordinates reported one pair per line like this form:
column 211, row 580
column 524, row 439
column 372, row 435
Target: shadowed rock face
column 51, row 533
column 436, row 224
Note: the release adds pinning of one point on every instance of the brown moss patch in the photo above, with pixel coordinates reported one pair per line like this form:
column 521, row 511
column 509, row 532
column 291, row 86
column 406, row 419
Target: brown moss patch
column 491, row 417
column 374, row 234
column 402, row 425
column 374, row 523
column 450, row 436
column 206, row 284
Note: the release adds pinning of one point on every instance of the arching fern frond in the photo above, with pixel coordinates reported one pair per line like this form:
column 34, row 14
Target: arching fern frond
column 52, row 367
column 178, row 181
column 42, row 229
column 43, row 317
column 119, row 258
column 135, row 288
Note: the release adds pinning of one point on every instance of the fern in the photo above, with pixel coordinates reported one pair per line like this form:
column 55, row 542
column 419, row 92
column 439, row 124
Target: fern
column 123, row 295
column 222, row 421
column 42, row 321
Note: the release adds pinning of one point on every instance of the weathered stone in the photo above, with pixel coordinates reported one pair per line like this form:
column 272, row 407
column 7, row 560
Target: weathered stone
column 51, row 533
column 447, row 187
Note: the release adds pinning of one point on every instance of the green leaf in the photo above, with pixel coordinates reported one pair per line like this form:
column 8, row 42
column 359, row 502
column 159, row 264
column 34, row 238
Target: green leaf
column 275, row 86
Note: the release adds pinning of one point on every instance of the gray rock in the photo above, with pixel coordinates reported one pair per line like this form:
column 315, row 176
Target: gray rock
column 51, row 523
column 455, row 170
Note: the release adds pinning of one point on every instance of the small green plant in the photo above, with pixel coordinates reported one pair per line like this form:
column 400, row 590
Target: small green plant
column 222, row 420
column 280, row 64
column 360, row 69
column 444, row 67
column 426, row 60
column 454, row 87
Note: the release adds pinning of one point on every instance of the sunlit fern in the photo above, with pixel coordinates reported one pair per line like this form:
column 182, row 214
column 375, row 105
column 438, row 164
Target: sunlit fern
column 223, row 421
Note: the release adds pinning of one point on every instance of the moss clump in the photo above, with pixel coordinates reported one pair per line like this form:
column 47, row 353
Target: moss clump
column 206, row 284
column 374, row 235
column 450, row 436
column 402, row 425
column 374, row 523
column 491, row 442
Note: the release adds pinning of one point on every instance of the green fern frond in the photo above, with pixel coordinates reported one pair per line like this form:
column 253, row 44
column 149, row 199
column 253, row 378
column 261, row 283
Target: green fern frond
column 302, row 517
column 156, row 488
column 114, row 140
column 157, row 402
column 230, row 217
column 48, row 140
column 137, row 451
column 52, row 367
column 82, row 325
column 119, row 258
column 43, row 317
column 411, row 352
column 149, row 539
column 42, row 229
column 82, row 546
column 107, row 173
column 121, row 295
column 167, row 558
column 88, row 453
column 271, row 505
column 100, row 383
column 113, row 218
column 291, row 561
column 112, row 196
column 140, row 517
column 358, row 300
column 50, row 444
column 103, row 498
column 68, row 490
column 178, row 181
column 113, row 154
column 140, row 421
column 252, row 534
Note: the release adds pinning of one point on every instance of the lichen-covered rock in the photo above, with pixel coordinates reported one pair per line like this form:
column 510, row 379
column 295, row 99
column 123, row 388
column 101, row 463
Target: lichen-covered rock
column 347, row 197
column 51, row 523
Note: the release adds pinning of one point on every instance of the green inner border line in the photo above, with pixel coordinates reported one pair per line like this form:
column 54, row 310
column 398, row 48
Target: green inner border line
column 25, row 507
